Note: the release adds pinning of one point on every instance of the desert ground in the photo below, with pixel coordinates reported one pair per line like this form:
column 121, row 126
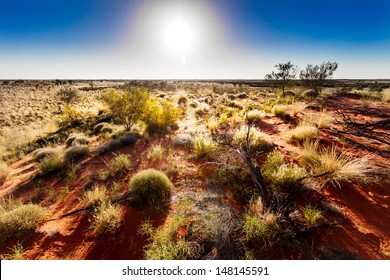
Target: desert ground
column 194, row 170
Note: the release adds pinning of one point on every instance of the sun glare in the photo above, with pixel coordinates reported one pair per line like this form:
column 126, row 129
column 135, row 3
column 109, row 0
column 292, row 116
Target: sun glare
column 179, row 35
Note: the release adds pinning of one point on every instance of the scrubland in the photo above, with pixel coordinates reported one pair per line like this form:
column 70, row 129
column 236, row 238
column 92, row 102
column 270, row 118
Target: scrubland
column 194, row 170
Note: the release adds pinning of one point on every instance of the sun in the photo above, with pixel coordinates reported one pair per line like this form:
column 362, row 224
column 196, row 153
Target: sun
column 179, row 35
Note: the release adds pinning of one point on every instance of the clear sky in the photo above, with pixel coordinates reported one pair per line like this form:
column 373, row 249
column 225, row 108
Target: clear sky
column 191, row 39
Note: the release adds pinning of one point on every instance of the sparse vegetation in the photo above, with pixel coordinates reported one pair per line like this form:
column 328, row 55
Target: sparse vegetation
column 51, row 164
column 96, row 196
column 279, row 110
column 75, row 152
column 19, row 220
column 336, row 167
column 4, row 171
column 314, row 76
column 257, row 141
column 119, row 165
column 311, row 215
column 284, row 76
column 204, row 146
column 127, row 107
column 106, row 218
column 150, row 187
column 301, row 133
column 157, row 152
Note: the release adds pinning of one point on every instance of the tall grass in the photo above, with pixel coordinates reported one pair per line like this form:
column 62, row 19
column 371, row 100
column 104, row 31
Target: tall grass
column 336, row 167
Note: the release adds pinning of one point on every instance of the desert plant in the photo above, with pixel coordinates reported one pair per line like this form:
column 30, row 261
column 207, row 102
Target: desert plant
column 127, row 107
column 279, row 110
column 386, row 96
column 68, row 95
column 106, row 218
column 254, row 115
column 257, row 141
column 324, row 120
column 183, row 101
column 314, row 76
column 280, row 174
column 161, row 115
column 75, row 152
column 51, row 164
column 310, row 93
column 119, row 165
column 284, row 76
column 4, row 171
column 20, row 220
column 96, row 196
column 76, row 139
column 311, row 214
column 41, row 154
column 303, row 132
column 260, row 227
column 335, row 167
column 16, row 253
column 204, row 146
column 157, row 152
column 150, row 187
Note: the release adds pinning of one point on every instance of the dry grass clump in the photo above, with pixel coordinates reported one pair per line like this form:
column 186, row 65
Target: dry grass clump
column 157, row 152
column 76, row 139
column 51, row 164
column 257, row 141
column 204, row 146
column 279, row 110
column 106, row 218
column 97, row 195
column 336, row 168
column 311, row 215
column 164, row 243
column 119, row 165
column 259, row 225
column 150, row 187
column 46, row 152
column 386, row 96
column 254, row 115
column 16, row 253
column 19, row 219
column 324, row 120
column 279, row 174
column 4, row 171
column 301, row 133
column 75, row 152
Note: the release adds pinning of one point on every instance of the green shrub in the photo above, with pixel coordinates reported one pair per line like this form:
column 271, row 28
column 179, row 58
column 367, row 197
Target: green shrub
column 161, row 116
column 51, row 164
column 106, row 219
column 20, row 220
column 75, row 152
column 127, row 107
column 260, row 227
column 4, row 171
column 204, row 146
column 150, row 187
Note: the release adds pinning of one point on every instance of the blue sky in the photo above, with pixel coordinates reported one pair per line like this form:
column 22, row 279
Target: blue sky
column 230, row 38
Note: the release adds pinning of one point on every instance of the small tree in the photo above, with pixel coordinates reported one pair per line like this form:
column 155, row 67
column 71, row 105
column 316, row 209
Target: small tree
column 285, row 74
column 314, row 76
column 127, row 107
